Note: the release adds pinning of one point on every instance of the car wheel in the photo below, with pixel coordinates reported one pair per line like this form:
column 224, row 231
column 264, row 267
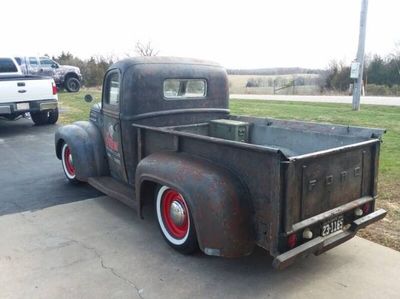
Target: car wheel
column 72, row 84
column 53, row 116
column 175, row 220
column 40, row 118
column 68, row 164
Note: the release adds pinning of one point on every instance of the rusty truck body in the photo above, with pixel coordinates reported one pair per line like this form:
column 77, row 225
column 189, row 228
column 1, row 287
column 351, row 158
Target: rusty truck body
column 163, row 134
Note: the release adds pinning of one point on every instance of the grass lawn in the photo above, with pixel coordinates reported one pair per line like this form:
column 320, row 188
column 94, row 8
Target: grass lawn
column 385, row 232
column 73, row 107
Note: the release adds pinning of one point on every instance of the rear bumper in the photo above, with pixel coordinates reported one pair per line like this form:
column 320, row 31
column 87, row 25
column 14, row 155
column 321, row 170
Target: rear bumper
column 321, row 244
column 50, row 105
column 11, row 108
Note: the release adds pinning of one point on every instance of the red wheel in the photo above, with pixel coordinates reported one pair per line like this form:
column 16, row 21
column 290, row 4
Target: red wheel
column 175, row 220
column 68, row 163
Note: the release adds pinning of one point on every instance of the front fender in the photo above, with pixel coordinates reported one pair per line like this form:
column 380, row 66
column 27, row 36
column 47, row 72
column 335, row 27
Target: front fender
column 87, row 148
column 217, row 199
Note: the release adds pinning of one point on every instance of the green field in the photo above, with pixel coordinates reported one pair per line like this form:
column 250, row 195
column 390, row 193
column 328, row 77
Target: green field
column 386, row 232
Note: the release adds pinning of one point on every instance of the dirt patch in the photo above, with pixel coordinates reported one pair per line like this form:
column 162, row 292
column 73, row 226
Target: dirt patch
column 387, row 231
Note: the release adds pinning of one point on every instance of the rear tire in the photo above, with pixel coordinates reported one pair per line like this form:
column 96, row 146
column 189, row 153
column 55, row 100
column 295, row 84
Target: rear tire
column 45, row 117
column 67, row 164
column 40, row 118
column 175, row 220
column 53, row 117
column 72, row 84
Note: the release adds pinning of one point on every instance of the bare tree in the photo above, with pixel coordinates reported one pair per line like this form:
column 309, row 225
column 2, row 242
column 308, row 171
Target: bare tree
column 145, row 49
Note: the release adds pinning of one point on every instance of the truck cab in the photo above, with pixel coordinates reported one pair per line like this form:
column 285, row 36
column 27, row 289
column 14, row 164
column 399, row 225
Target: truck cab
column 224, row 183
column 183, row 98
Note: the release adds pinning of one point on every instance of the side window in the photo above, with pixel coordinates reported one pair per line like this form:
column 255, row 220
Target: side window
column 112, row 89
column 33, row 61
column 46, row 62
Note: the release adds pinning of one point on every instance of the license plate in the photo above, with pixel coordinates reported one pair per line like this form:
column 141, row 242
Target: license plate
column 332, row 226
column 22, row 106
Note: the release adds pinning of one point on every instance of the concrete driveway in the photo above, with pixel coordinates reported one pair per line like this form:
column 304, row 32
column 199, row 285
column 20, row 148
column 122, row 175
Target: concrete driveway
column 99, row 248
column 54, row 244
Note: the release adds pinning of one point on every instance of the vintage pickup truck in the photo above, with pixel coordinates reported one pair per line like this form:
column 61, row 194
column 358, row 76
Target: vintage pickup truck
column 163, row 134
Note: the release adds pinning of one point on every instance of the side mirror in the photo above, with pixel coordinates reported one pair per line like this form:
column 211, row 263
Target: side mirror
column 88, row 98
column 54, row 66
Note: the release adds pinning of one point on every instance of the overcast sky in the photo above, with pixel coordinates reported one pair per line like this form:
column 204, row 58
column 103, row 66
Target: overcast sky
column 237, row 34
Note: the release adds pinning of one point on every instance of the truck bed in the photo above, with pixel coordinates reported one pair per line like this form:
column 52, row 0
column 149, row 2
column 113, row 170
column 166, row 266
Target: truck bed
column 25, row 88
column 292, row 138
column 296, row 172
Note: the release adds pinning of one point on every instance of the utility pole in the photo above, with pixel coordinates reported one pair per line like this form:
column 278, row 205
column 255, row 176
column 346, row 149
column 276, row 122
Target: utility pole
column 360, row 56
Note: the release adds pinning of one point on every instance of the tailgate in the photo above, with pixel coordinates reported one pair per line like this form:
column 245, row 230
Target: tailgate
column 322, row 181
column 26, row 89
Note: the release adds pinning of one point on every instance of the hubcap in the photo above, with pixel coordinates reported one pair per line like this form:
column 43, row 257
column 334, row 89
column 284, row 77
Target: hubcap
column 68, row 161
column 177, row 213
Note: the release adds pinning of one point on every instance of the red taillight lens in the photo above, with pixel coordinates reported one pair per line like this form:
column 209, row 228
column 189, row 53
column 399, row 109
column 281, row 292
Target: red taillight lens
column 54, row 88
column 291, row 241
column 366, row 208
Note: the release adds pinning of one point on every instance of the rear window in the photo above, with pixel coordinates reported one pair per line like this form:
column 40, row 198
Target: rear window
column 7, row 66
column 185, row 88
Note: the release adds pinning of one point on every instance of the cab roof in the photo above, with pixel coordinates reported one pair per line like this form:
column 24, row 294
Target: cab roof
column 128, row 62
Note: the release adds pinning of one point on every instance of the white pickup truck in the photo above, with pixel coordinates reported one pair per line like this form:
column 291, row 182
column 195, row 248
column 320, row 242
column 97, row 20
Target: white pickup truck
column 20, row 94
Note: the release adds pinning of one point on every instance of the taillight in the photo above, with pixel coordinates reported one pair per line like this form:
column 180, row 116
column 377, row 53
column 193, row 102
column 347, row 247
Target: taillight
column 291, row 241
column 366, row 208
column 54, row 87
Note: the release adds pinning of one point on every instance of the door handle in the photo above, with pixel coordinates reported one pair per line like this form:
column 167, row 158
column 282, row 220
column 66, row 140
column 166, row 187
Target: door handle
column 20, row 84
column 22, row 91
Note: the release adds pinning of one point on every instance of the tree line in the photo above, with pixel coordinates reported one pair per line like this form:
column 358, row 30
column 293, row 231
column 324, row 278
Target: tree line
column 94, row 68
column 381, row 74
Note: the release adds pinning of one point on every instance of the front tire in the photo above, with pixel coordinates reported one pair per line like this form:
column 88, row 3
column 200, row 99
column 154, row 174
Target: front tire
column 175, row 220
column 67, row 164
column 72, row 84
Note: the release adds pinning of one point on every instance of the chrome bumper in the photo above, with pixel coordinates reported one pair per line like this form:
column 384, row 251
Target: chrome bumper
column 5, row 110
column 42, row 105
column 48, row 106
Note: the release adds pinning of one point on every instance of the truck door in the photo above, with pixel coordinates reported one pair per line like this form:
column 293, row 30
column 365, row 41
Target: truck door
column 111, row 124
column 46, row 67
column 33, row 66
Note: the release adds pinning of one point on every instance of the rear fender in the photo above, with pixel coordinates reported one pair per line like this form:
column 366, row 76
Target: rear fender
column 87, row 148
column 217, row 199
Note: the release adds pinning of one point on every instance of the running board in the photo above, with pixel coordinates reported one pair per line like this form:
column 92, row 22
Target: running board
column 114, row 189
